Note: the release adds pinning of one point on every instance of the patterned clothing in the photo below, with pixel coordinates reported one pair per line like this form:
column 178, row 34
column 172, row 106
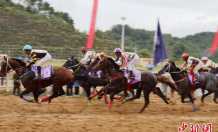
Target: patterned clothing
column 192, row 65
column 122, row 61
column 208, row 65
column 40, row 57
column 88, row 57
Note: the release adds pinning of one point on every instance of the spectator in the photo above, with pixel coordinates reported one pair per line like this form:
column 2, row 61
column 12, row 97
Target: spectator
column 70, row 87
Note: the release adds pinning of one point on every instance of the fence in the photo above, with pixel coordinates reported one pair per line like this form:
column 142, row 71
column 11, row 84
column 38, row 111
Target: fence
column 6, row 83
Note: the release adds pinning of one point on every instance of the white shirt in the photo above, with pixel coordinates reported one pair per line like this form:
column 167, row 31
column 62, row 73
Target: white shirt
column 88, row 57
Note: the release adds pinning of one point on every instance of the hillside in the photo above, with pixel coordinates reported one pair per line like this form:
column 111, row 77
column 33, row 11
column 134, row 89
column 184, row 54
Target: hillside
column 18, row 26
column 55, row 32
column 142, row 41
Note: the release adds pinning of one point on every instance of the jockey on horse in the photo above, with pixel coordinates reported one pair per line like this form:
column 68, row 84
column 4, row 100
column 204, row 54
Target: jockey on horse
column 88, row 56
column 127, row 62
column 207, row 64
column 39, row 58
column 121, row 59
column 192, row 65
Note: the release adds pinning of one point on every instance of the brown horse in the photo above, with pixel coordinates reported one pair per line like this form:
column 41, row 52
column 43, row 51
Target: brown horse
column 147, row 84
column 61, row 76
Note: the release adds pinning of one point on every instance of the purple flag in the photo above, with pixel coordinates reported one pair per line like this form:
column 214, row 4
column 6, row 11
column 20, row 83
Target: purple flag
column 160, row 53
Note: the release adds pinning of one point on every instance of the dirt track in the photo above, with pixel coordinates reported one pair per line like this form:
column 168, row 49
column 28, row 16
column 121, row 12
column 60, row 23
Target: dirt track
column 74, row 114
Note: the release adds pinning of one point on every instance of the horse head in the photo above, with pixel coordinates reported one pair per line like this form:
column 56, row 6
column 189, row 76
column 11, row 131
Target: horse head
column 169, row 67
column 106, row 64
column 71, row 63
column 18, row 65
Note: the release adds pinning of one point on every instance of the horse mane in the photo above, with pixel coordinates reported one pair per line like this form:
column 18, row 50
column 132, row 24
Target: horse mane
column 115, row 66
column 175, row 66
column 20, row 61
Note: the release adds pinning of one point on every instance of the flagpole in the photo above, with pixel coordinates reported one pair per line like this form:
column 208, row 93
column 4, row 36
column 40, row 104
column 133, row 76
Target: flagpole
column 91, row 34
column 123, row 34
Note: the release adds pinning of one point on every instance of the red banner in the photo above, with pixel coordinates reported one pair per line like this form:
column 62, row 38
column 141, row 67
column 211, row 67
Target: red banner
column 91, row 35
column 214, row 44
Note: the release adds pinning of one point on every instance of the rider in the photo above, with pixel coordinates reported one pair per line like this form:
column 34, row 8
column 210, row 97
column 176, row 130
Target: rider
column 39, row 58
column 192, row 65
column 120, row 59
column 207, row 64
column 127, row 62
column 133, row 59
column 88, row 56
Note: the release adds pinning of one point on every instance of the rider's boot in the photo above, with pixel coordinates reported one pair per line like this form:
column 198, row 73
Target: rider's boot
column 39, row 72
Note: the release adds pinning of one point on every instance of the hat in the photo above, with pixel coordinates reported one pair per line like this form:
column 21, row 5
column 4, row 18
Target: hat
column 116, row 50
column 204, row 58
column 27, row 47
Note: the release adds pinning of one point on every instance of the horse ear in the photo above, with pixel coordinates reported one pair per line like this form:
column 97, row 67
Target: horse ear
column 5, row 58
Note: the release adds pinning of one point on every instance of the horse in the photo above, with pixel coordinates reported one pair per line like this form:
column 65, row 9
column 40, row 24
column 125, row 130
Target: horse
column 60, row 77
column 86, row 81
column 147, row 84
column 185, row 88
column 215, row 72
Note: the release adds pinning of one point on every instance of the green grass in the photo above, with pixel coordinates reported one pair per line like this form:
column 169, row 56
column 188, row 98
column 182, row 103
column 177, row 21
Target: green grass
column 57, row 62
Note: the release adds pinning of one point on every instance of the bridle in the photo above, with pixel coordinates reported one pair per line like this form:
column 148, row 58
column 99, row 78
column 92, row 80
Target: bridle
column 169, row 70
column 180, row 80
column 8, row 66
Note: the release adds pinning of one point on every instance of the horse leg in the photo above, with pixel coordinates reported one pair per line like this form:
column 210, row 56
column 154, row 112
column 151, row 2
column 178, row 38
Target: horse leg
column 18, row 88
column 215, row 97
column 205, row 95
column 194, row 107
column 172, row 92
column 98, row 93
column 137, row 96
column 183, row 98
column 87, row 89
column 36, row 95
column 14, row 88
column 105, row 96
column 146, row 93
column 61, row 91
column 55, row 93
column 158, row 92
column 24, row 93
column 111, row 100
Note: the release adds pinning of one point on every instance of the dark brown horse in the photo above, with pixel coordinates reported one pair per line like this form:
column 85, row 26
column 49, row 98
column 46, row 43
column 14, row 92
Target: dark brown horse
column 61, row 76
column 207, row 81
column 147, row 84
column 82, row 75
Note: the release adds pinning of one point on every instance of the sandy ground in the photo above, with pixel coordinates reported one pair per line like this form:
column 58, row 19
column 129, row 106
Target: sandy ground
column 74, row 114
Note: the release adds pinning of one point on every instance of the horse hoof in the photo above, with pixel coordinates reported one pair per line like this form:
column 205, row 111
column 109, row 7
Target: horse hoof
column 44, row 99
column 141, row 111
column 215, row 101
column 172, row 102
column 195, row 110
column 89, row 98
column 202, row 104
column 123, row 102
column 110, row 105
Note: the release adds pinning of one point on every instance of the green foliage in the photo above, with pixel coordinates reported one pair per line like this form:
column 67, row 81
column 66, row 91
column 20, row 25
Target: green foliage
column 39, row 24
column 144, row 53
column 52, row 33
column 196, row 44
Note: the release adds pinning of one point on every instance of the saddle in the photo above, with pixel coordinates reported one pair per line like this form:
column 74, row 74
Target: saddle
column 45, row 72
column 133, row 76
